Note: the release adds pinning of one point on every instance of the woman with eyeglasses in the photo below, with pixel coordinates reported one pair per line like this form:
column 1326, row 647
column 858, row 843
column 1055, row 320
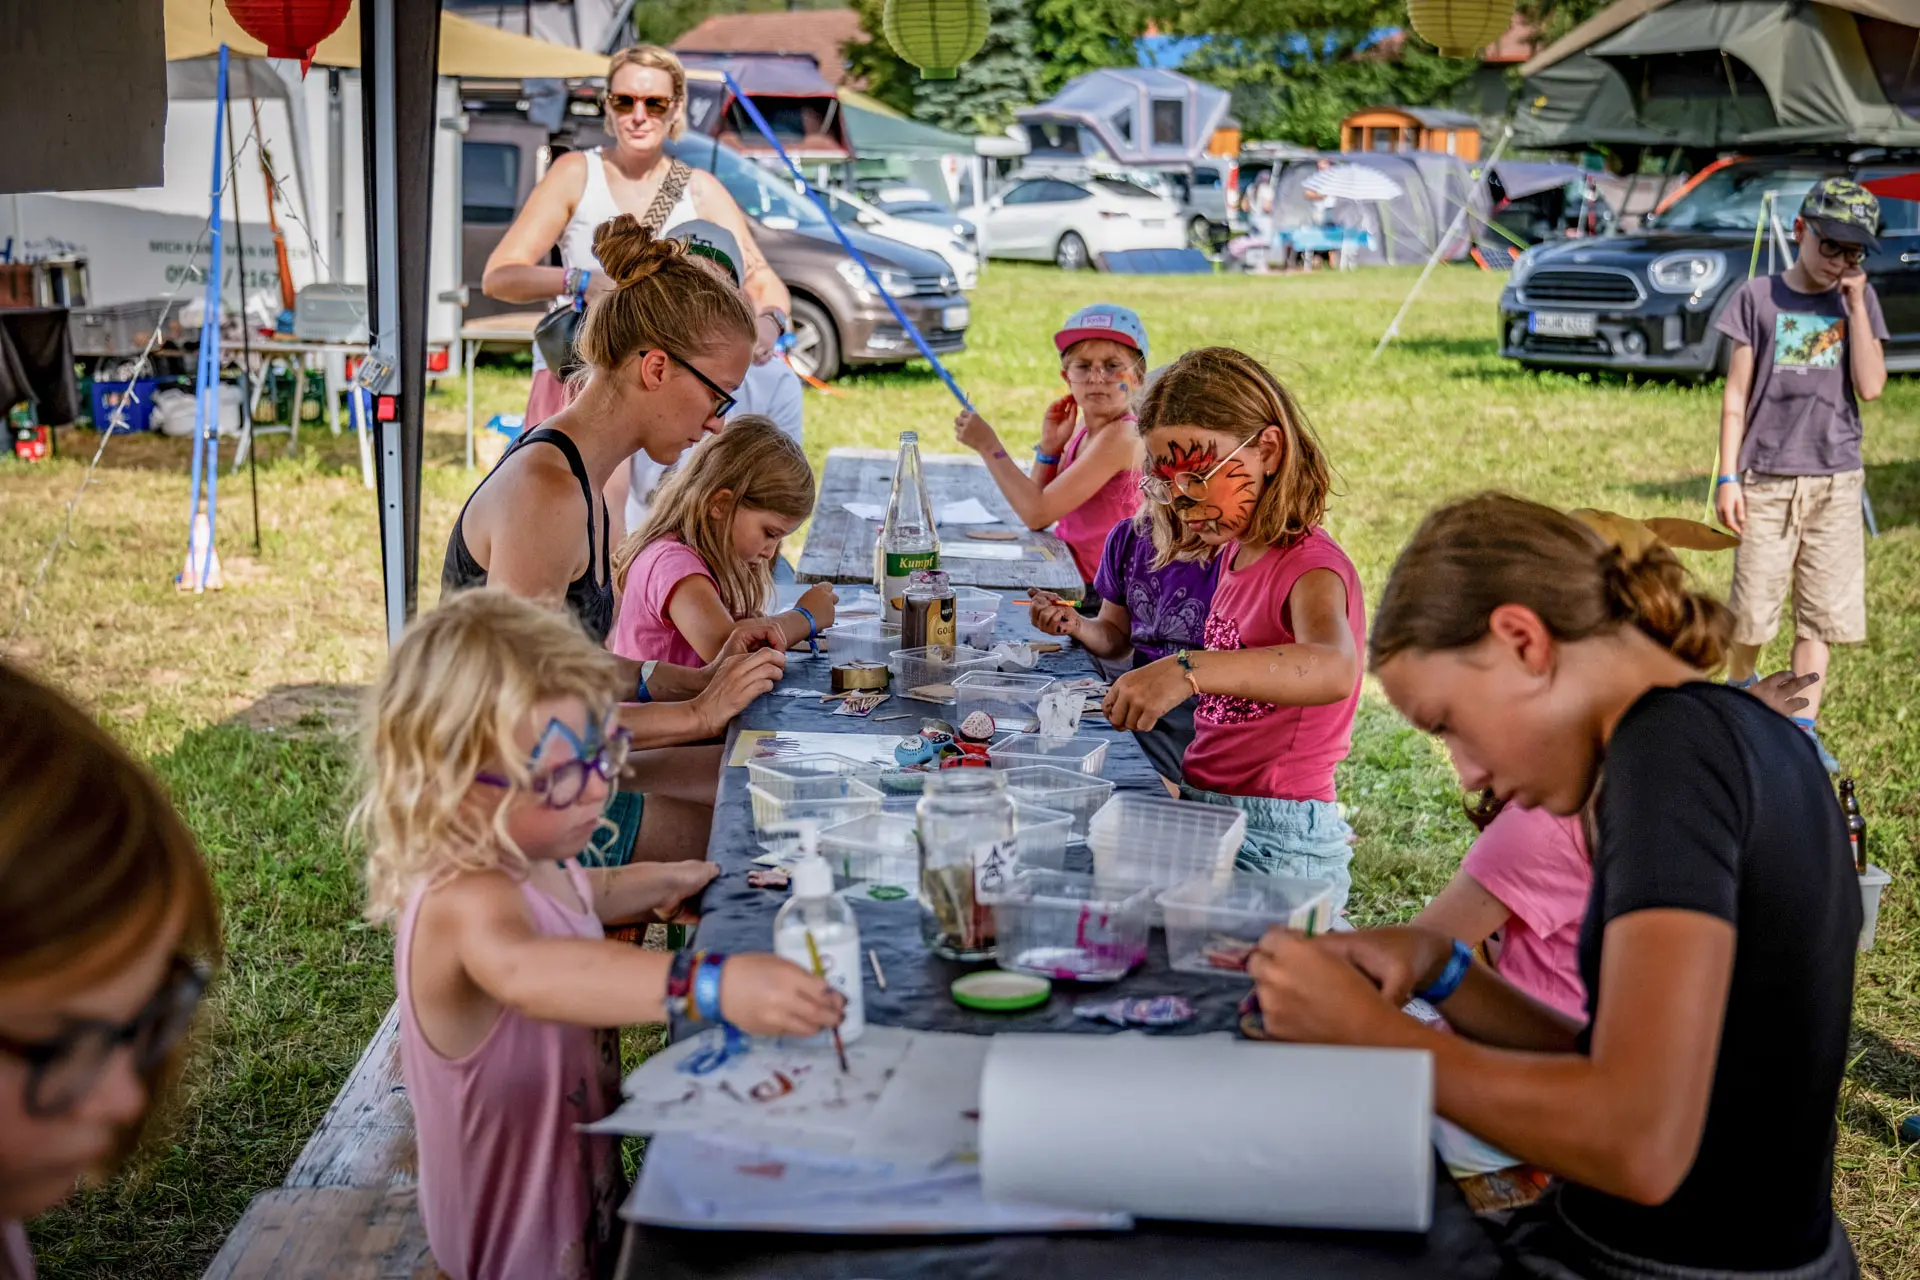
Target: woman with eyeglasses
column 1086, row 471
column 108, row 932
column 491, row 744
column 645, row 106
column 664, row 348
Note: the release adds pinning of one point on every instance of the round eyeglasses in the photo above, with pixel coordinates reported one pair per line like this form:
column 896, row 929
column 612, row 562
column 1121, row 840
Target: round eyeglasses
column 562, row 786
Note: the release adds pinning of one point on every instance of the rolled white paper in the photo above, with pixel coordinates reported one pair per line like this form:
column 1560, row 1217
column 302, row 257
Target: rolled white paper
column 1210, row 1129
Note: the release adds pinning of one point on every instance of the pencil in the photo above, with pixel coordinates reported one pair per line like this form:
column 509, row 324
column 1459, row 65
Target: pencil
column 820, row 971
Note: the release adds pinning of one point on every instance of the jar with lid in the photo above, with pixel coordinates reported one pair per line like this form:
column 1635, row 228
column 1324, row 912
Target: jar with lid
column 966, row 831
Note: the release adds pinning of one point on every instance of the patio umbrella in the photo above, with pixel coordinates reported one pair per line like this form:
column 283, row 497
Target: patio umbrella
column 1901, row 186
column 1353, row 182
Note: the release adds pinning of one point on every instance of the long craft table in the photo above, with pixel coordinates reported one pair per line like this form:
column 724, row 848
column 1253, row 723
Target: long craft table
column 736, row 917
column 840, row 544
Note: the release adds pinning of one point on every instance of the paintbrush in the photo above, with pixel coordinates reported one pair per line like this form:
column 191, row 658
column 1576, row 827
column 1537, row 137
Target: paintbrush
column 820, row 971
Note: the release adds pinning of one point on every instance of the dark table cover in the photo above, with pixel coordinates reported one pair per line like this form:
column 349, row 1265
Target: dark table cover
column 737, row 917
column 36, row 363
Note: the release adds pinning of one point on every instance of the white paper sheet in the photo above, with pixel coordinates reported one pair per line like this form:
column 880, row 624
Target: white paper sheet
column 966, row 511
column 695, row 1181
column 1210, row 1129
column 867, row 510
column 861, row 748
column 974, row 549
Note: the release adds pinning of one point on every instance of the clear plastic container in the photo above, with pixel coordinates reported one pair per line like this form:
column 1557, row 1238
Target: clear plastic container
column 878, row 847
column 1061, row 925
column 1873, row 883
column 1146, row 841
column 1022, row 750
column 1012, row 699
column 977, row 614
column 1071, row 792
column 780, row 778
column 868, row 640
column 1214, row 922
column 936, row 664
column 825, row 799
column 1040, row 836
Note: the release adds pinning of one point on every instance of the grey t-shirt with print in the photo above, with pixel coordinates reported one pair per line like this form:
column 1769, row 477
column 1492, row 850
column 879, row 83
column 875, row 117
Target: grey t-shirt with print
column 1802, row 417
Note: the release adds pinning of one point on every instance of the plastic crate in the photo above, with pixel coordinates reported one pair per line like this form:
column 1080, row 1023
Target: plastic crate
column 1011, row 698
column 1073, row 793
column 124, row 328
column 936, row 664
column 1214, row 922
column 1144, row 841
column 881, row 847
column 1040, row 836
column 134, row 399
column 1022, row 750
column 1062, row 925
column 868, row 640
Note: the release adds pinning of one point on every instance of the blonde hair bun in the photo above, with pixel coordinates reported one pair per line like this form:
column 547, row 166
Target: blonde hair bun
column 629, row 252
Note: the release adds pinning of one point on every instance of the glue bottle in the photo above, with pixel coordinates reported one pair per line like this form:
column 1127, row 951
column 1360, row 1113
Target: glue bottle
column 816, row 909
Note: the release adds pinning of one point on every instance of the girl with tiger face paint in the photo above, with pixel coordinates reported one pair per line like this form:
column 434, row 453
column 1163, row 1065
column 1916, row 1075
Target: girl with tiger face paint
column 1233, row 466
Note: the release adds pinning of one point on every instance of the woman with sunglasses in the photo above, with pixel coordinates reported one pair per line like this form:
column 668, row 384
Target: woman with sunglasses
column 664, row 350
column 645, row 106
column 108, row 932
column 490, row 748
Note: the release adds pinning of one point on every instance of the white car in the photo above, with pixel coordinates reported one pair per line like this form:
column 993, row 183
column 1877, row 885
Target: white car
column 1072, row 223
column 851, row 210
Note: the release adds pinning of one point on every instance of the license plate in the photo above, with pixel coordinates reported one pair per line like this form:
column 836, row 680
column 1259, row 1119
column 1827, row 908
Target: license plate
column 1561, row 324
column 956, row 317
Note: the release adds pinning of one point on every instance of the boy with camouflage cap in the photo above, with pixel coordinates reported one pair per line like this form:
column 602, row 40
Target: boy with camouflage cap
column 1806, row 352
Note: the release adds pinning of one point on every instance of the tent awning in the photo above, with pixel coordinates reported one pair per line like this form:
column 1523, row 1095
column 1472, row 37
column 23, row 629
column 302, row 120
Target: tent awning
column 197, row 28
column 883, row 133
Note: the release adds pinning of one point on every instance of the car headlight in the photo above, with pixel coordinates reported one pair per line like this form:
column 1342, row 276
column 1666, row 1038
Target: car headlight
column 1522, row 267
column 897, row 283
column 1687, row 272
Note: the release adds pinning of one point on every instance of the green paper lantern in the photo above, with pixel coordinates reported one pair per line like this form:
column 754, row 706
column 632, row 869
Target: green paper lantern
column 936, row 35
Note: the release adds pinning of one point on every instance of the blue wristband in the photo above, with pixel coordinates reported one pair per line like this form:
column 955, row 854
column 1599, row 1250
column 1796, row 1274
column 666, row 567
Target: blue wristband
column 1726, row 480
column 1045, row 459
column 640, row 692
column 706, row 987
column 1450, row 977
column 813, row 628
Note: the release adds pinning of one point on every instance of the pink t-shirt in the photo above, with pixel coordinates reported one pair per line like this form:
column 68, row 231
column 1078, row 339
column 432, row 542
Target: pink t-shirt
column 1246, row 748
column 1085, row 528
column 643, row 631
column 1536, row 863
column 508, row 1186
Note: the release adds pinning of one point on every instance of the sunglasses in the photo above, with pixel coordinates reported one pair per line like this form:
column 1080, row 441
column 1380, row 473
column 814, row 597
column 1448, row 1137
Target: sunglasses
column 562, row 786
column 1187, row 484
column 63, row 1070
column 1108, row 371
column 723, row 401
column 1851, row 254
column 622, row 104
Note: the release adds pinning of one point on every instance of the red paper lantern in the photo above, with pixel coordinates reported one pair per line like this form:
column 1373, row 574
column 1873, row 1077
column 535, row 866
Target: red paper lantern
column 290, row 28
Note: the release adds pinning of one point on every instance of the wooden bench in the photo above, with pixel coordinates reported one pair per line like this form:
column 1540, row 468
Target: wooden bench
column 348, row 1206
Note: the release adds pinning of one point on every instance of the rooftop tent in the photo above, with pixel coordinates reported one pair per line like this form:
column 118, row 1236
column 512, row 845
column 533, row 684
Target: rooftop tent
column 790, row 92
column 1729, row 73
column 1136, row 116
column 1406, row 229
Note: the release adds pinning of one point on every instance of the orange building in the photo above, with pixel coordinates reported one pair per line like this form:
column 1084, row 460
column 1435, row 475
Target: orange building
column 1452, row 133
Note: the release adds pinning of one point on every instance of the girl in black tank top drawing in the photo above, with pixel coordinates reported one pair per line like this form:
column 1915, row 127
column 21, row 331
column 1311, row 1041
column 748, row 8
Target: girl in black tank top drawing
column 663, row 351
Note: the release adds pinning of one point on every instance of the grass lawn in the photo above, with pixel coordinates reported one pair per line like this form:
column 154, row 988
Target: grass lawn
column 243, row 700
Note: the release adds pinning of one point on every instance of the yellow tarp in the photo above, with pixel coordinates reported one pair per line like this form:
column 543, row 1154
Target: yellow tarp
column 197, row 28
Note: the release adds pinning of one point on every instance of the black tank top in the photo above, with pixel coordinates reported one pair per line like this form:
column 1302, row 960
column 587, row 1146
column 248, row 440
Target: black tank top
column 589, row 596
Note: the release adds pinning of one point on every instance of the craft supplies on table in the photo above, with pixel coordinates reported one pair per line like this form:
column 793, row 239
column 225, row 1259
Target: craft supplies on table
column 1214, row 922
column 1040, row 836
column 966, row 832
column 1010, row 697
column 774, row 746
column 823, row 798
column 1024, row 750
column 977, row 614
column 860, row 675
column 936, row 664
column 865, row 640
column 1000, row 991
column 1062, row 925
column 876, row 847
column 1076, row 794
column 816, row 930
column 1210, row 1129
column 927, row 620
column 1140, row 840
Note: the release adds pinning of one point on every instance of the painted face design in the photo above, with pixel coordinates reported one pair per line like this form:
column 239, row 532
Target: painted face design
column 1221, row 503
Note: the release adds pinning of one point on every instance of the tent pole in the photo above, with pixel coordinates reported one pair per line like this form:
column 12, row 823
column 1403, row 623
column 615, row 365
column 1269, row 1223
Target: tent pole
column 246, row 340
column 1453, row 229
column 378, row 106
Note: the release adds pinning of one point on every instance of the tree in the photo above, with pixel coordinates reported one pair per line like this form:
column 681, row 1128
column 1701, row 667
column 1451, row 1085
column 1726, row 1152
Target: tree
column 1078, row 36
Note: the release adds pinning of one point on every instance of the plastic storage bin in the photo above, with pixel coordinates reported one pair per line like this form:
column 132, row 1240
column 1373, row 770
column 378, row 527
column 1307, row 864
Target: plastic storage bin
column 1214, row 922
column 1143, row 841
column 822, row 789
column 936, row 664
column 1061, row 925
column 868, row 640
column 1040, row 836
column 1873, row 882
column 780, row 778
column 1023, row 750
column 1071, row 792
column 1012, row 699
column 877, row 846
column 977, row 615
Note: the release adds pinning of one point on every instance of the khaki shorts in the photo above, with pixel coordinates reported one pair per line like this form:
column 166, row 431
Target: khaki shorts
column 1806, row 530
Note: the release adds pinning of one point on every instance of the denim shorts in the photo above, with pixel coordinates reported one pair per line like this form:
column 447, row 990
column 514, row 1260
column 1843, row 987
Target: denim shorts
column 1304, row 838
